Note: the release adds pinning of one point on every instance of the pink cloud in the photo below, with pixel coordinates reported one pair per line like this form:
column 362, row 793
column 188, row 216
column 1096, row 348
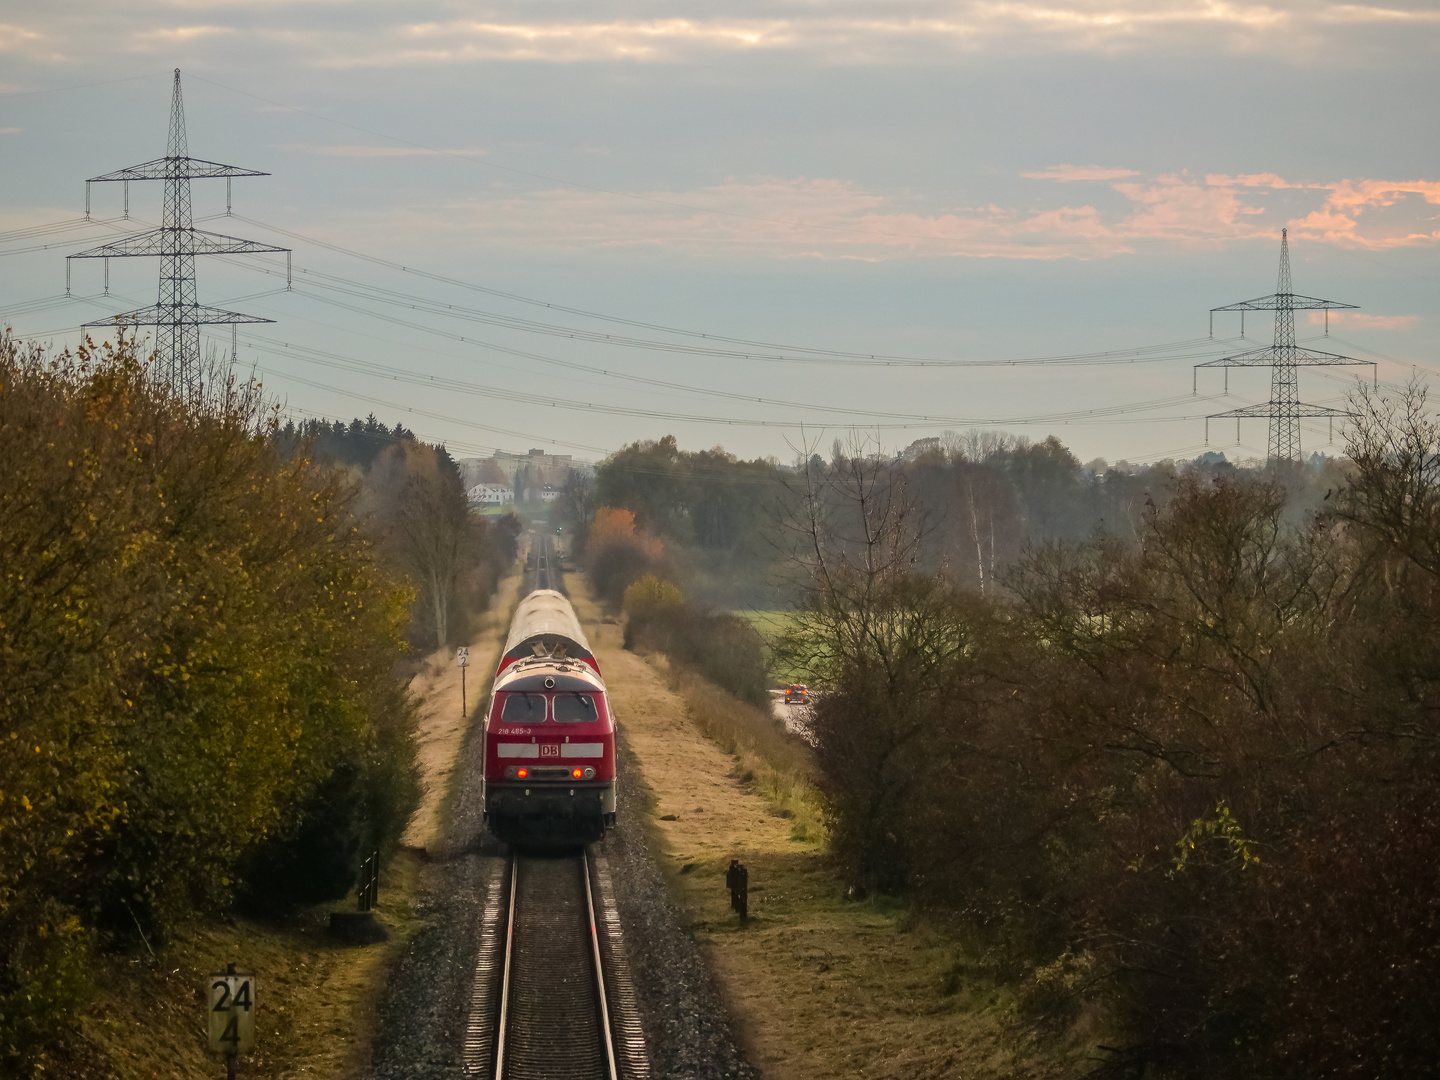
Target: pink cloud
column 1272, row 181
column 1339, row 219
column 1382, row 192
column 829, row 218
column 1176, row 207
column 1362, row 321
column 1065, row 174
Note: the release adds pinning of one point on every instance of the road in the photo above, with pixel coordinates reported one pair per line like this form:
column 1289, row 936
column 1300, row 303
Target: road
column 796, row 718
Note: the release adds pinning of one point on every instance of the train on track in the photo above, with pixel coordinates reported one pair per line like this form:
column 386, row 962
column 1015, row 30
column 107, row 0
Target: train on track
column 549, row 732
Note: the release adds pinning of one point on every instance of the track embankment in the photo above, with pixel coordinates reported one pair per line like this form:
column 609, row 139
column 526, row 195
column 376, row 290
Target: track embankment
column 321, row 1001
column 441, row 723
column 817, row 985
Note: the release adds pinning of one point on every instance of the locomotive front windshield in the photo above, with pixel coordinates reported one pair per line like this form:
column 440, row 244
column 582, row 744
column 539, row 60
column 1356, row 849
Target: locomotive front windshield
column 575, row 708
column 523, row 709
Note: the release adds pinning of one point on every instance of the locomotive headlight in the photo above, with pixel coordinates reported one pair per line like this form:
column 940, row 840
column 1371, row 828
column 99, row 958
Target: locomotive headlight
column 588, row 773
column 516, row 772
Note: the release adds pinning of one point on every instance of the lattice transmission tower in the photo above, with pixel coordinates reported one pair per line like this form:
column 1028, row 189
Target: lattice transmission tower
column 177, row 315
column 1284, row 358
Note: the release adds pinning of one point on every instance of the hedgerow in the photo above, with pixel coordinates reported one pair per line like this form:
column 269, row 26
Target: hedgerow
column 1180, row 791
column 195, row 637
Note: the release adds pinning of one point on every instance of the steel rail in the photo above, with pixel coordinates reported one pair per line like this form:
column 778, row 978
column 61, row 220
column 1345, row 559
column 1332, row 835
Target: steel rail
column 599, row 970
column 505, row 977
column 502, row 1064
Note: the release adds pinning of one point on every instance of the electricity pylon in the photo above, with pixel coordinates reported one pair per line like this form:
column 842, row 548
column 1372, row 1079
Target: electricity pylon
column 177, row 315
column 1284, row 358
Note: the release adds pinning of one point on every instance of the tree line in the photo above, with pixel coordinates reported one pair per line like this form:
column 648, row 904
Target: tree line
column 1157, row 742
column 1174, row 776
column 985, row 497
column 413, row 498
column 203, row 674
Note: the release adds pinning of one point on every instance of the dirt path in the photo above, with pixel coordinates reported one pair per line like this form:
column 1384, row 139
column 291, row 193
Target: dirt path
column 440, row 727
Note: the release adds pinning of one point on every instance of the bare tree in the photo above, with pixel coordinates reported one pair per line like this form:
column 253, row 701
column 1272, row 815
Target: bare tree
column 879, row 638
column 1394, row 443
column 427, row 520
column 855, row 532
column 578, row 500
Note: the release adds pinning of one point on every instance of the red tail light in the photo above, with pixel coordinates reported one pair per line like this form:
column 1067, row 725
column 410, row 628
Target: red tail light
column 522, row 773
column 577, row 773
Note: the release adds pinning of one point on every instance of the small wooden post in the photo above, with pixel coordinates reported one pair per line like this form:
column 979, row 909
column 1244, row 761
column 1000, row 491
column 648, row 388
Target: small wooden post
column 737, row 878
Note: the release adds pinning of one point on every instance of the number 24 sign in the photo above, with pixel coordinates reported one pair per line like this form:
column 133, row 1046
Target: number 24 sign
column 232, row 1013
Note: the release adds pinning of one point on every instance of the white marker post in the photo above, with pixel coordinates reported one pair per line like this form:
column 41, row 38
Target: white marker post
column 232, row 1015
column 462, row 657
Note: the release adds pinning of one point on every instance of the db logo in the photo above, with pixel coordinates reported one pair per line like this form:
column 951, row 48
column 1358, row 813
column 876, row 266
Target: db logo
column 549, row 749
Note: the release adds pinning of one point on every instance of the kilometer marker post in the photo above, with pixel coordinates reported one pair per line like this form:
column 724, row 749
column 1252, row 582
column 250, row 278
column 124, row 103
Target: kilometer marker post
column 462, row 657
column 231, row 1015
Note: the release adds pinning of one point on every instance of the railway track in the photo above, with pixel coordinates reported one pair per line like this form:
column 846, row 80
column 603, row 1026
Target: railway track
column 552, row 996
column 542, row 569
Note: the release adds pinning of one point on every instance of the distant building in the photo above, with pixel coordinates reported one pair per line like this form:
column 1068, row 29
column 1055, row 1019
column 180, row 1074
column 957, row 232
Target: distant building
column 549, row 493
column 537, row 466
column 491, row 495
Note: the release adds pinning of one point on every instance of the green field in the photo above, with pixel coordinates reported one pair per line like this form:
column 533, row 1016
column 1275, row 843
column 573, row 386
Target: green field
column 771, row 624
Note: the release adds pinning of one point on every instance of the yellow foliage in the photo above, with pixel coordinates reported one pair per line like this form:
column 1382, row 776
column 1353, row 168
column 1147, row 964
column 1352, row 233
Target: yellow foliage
column 1220, row 825
column 651, row 593
column 182, row 669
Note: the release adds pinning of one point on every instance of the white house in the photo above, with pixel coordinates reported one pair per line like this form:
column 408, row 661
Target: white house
column 491, row 495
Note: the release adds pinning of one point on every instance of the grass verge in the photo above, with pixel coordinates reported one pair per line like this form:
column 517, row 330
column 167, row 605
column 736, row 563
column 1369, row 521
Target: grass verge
column 316, row 999
column 777, row 765
column 484, row 658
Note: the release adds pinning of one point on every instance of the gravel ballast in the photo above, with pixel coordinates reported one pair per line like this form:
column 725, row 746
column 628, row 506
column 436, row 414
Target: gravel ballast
column 425, row 1005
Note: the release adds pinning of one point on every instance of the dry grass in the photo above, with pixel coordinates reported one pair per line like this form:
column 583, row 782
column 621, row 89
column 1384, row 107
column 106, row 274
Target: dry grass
column 316, row 999
column 778, row 765
column 441, row 728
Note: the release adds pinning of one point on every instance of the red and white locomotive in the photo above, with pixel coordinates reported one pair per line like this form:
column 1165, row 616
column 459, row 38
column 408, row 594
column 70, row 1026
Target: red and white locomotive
column 549, row 732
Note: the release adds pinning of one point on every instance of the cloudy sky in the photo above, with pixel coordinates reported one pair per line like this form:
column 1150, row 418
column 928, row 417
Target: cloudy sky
column 572, row 225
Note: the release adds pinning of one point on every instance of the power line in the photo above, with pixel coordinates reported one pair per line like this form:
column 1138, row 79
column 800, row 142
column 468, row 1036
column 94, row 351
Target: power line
column 1111, row 413
column 81, row 86
column 771, row 350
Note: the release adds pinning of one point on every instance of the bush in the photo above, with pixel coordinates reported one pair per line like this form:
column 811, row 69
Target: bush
column 42, row 984
column 650, row 596
column 616, row 555
column 723, row 648
column 362, row 807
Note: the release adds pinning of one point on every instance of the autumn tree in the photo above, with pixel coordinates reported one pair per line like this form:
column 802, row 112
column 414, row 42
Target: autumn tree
column 195, row 637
